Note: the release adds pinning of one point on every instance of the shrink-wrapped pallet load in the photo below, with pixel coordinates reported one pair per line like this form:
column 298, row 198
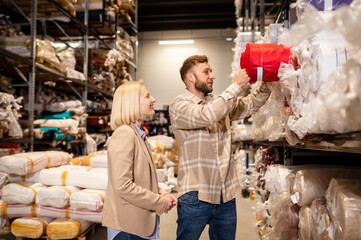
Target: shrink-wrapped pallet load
column 343, row 199
column 55, row 196
column 16, row 193
column 97, row 159
column 320, row 220
column 29, row 227
column 304, row 223
column 311, row 184
column 23, row 163
column 66, row 229
column 88, row 199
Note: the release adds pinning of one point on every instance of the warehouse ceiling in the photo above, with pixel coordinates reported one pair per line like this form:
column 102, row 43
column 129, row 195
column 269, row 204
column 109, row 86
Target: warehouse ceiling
column 162, row 15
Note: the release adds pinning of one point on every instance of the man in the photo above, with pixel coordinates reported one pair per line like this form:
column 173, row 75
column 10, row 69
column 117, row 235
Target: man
column 207, row 176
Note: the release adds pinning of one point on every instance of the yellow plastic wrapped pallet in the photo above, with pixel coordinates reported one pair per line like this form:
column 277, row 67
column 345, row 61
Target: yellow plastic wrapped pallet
column 28, row 227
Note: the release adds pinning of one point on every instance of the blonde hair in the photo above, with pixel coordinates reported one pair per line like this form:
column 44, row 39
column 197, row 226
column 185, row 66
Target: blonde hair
column 125, row 108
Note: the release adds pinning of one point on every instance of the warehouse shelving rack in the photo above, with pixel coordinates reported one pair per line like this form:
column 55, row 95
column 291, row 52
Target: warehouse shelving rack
column 62, row 34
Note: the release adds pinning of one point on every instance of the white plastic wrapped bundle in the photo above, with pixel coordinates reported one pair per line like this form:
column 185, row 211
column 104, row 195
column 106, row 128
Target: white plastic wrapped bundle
column 3, row 179
column 275, row 178
column 82, row 169
column 268, row 122
column 16, row 193
column 63, row 106
column 66, row 229
column 18, row 210
column 88, row 199
column 97, row 159
column 29, row 227
column 70, row 125
column 85, row 215
column 167, row 141
column 159, row 159
column 304, row 224
column 23, row 163
column 311, row 184
column 344, row 204
column 55, row 196
column 320, row 220
column 84, row 179
column 27, row 178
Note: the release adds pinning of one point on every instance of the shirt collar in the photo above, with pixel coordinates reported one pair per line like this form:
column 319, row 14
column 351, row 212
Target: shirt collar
column 196, row 99
column 140, row 131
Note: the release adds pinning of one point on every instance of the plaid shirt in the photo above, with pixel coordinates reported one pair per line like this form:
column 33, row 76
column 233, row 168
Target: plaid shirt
column 203, row 131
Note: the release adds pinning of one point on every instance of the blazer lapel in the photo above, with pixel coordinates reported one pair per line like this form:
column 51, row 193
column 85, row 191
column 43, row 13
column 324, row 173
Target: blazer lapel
column 146, row 148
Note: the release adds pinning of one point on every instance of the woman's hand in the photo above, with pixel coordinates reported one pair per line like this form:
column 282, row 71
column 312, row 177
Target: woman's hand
column 171, row 202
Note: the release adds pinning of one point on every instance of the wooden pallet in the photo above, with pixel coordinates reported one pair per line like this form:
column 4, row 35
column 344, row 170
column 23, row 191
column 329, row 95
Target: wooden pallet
column 82, row 236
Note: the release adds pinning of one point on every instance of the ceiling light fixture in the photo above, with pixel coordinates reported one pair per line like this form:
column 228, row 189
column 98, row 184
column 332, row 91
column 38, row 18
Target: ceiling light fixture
column 176, row 42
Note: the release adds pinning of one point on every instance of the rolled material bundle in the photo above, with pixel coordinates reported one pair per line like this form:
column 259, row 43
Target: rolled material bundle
column 16, row 193
column 66, row 229
column 344, row 203
column 97, row 159
column 29, row 227
column 3, row 179
column 262, row 61
column 97, row 179
column 168, row 142
column 320, row 220
column 23, row 163
column 84, row 215
column 18, row 210
column 55, row 196
column 311, row 184
column 304, row 224
column 63, row 106
column 88, row 199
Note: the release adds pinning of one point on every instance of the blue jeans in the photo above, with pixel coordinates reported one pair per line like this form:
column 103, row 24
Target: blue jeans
column 126, row 236
column 194, row 215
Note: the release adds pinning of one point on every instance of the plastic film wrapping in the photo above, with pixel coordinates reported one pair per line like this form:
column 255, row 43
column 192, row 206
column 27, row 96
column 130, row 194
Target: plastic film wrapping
column 344, row 204
column 55, row 196
column 16, row 193
column 66, row 229
column 320, row 220
column 96, row 159
column 29, row 227
column 304, row 224
column 88, row 199
column 311, row 184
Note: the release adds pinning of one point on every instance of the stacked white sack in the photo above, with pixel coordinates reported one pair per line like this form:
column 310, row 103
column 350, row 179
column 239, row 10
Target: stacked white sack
column 29, row 227
column 3, row 179
column 66, row 229
column 23, row 163
column 311, row 184
column 97, row 159
column 160, row 140
column 16, row 193
column 21, row 210
column 88, row 199
column 344, row 203
column 94, row 178
column 55, row 196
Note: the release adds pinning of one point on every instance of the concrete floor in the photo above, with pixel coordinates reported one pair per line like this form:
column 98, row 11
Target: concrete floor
column 245, row 225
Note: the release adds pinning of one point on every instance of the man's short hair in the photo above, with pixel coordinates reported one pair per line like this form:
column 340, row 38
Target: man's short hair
column 125, row 108
column 190, row 62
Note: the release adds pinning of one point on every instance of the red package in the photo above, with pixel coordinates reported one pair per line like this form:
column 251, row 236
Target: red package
column 262, row 61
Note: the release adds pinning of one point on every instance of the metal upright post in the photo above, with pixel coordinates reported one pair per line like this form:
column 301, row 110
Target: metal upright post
column 262, row 17
column 85, row 58
column 31, row 102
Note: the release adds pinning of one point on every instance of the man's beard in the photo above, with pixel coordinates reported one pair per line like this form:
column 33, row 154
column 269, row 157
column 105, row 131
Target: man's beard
column 202, row 86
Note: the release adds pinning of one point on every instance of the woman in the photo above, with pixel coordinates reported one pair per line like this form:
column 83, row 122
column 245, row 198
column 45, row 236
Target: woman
column 133, row 200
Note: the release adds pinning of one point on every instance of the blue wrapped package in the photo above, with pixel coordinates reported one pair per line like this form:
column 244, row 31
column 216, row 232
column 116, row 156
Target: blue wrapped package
column 328, row 5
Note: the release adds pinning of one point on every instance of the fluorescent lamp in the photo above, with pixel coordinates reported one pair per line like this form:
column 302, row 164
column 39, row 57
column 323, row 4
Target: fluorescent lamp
column 176, row 42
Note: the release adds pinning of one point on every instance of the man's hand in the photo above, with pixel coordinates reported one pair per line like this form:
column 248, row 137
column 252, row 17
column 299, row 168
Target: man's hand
column 241, row 78
column 171, row 202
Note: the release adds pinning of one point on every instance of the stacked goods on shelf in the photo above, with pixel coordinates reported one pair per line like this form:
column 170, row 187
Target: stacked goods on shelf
column 301, row 201
column 56, row 192
column 9, row 107
column 323, row 83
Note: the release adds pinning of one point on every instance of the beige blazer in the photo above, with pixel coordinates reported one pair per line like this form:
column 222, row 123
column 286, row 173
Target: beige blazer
column 133, row 198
